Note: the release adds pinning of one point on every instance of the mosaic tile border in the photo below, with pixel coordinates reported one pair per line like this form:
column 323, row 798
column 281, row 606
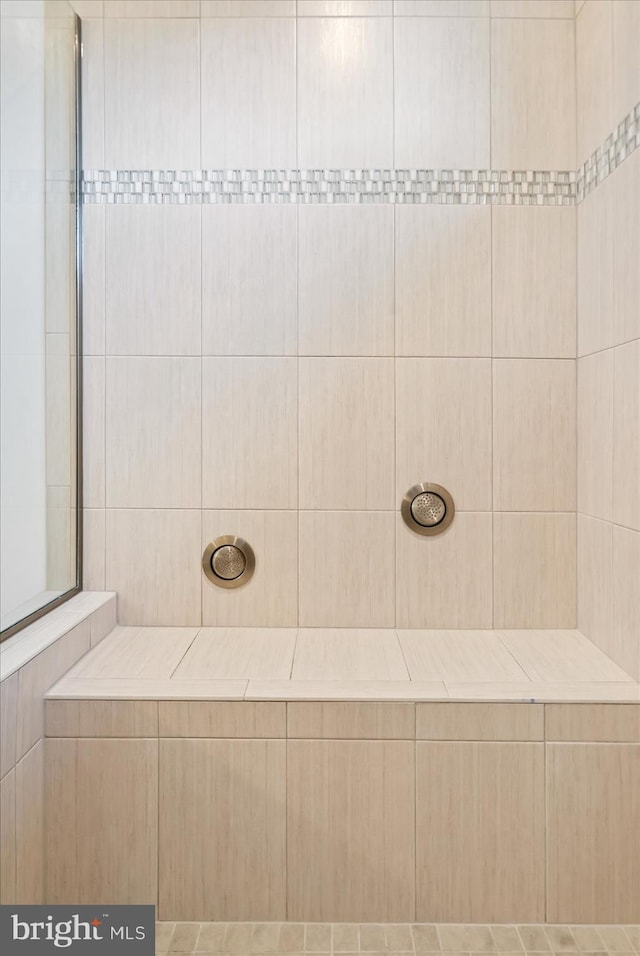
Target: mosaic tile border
column 395, row 186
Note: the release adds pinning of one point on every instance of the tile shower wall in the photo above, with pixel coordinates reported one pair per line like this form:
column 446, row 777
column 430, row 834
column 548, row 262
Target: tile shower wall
column 608, row 84
column 286, row 372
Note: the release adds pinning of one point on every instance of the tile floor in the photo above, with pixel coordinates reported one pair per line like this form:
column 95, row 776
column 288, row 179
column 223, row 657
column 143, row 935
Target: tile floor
column 402, row 939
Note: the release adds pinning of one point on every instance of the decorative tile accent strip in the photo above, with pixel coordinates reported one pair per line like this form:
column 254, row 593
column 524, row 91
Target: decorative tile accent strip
column 398, row 186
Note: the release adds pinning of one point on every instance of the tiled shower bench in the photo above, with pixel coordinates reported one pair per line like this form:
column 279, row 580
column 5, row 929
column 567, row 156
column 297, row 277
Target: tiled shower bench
column 248, row 774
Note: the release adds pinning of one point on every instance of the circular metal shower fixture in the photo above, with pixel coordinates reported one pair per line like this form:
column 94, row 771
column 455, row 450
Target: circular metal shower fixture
column 427, row 508
column 228, row 561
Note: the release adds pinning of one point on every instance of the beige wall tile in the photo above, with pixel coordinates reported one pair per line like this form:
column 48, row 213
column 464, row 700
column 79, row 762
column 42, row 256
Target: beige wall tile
column 458, row 656
column 346, row 408
column 534, row 570
column 482, row 827
column 92, row 87
column 30, row 811
column 533, row 8
column 534, row 429
column 38, row 675
column 560, row 656
column 593, row 722
column 626, row 56
column 8, row 838
column 534, row 282
column 114, row 782
column 248, row 93
column 93, row 279
column 152, row 94
column 249, row 280
column 346, row 291
column 442, row 8
column 88, row 8
column 143, row 688
column 337, row 130
column 445, row 581
column 151, row 8
column 345, row 8
column 348, row 654
column 224, row 801
column 455, row 721
column 101, row 718
column 362, row 848
column 595, row 270
column 595, row 434
column 449, row 128
column 533, row 124
column 593, row 812
column 365, row 721
column 247, row 8
column 454, row 447
column 153, row 432
column 626, row 249
column 104, row 620
column 270, row 598
column 349, row 690
column 148, row 652
column 625, row 644
column 8, row 723
column 249, row 441
column 239, row 654
column 153, row 562
column 595, row 581
column 93, row 434
column 93, row 541
column 153, row 279
column 626, row 435
column 594, row 76
column 557, row 691
column 188, row 718
column 336, row 590
column 440, row 308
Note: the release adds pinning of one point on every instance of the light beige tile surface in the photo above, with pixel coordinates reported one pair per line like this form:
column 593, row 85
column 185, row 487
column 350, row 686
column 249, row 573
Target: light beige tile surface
column 247, row 8
column 249, row 280
column 248, row 93
column 626, row 435
column 595, row 434
column 106, row 718
column 249, row 432
column 626, row 56
column 223, row 800
column 534, row 282
column 153, row 279
column 593, row 796
column 440, row 308
column 8, row 837
column 346, row 433
column 30, row 817
column 92, row 91
column 345, row 280
column 137, row 652
column 458, row 656
column 449, row 129
column 533, row 8
column 88, row 8
column 454, row 721
column 103, row 620
column 336, row 590
column 335, row 130
column 362, row 848
column 354, row 690
column 593, row 722
column 153, row 562
column 366, row 721
column 451, row 399
column 626, row 249
column 270, row 598
column 594, row 76
column 151, row 8
column 557, row 691
column 595, row 581
column 595, row 269
column 239, row 654
column 625, row 644
column 93, row 542
column 560, row 656
column 533, row 123
column 93, row 431
column 123, row 688
column 534, row 427
column 8, row 723
column 186, row 718
column 445, row 581
column 440, row 8
column 348, row 654
column 482, row 825
column 344, row 8
column 153, row 432
column 534, row 570
column 93, row 291
column 152, row 94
